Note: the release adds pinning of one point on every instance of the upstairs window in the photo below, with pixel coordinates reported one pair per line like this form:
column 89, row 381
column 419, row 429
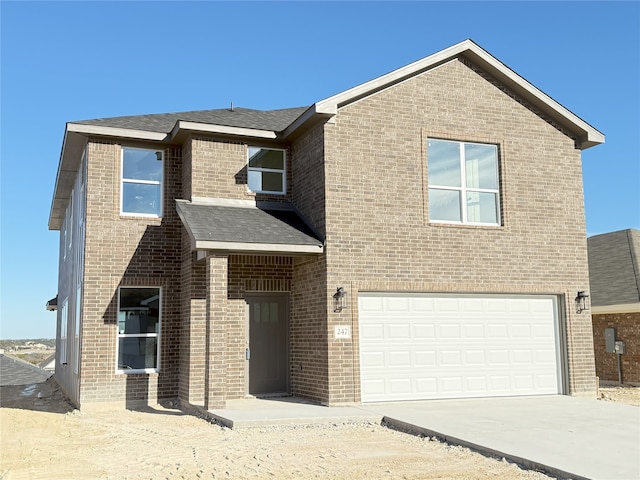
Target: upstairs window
column 141, row 182
column 266, row 170
column 463, row 182
column 138, row 329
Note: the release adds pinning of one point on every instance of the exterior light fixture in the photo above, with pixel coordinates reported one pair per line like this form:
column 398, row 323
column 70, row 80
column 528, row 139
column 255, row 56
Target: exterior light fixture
column 582, row 302
column 339, row 299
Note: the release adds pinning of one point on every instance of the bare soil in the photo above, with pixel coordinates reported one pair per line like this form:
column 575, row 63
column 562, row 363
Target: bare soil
column 42, row 436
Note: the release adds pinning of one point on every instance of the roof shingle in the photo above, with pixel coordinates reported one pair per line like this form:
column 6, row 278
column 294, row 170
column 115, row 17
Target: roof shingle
column 614, row 268
column 272, row 120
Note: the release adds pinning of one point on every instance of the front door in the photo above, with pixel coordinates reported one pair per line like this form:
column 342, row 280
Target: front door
column 268, row 344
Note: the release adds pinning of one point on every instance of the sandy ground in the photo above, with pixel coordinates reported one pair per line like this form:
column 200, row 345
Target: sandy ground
column 43, row 437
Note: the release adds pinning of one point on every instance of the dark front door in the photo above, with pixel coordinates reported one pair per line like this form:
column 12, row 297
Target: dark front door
column 268, row 344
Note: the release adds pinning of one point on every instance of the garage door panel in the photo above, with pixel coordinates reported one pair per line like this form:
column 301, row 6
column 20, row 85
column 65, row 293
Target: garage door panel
column 430, row 346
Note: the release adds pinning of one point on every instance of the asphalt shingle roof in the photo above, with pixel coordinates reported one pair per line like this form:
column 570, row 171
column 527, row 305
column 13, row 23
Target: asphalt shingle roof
column 17, row 372
column 216, row 223
column 614, row 268
column 272, row 120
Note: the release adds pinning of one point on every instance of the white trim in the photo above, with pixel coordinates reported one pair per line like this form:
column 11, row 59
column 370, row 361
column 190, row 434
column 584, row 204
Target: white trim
column 620, row 308
column 221, row 129
column 115, row 132
column 589, row 136
column 255, row 247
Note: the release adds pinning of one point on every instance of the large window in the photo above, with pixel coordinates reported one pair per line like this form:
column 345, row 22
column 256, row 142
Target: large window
column 138, row 329
column 141, row 182
column 463, row 182
column 266, row 170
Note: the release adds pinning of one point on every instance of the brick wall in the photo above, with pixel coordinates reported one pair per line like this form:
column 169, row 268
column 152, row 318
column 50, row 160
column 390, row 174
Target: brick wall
column 309, row 337
column 127, row 251
column 220, row 168
column 378, row 233
column 627, row 327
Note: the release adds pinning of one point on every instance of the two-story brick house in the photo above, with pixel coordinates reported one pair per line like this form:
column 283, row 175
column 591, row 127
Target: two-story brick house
column 418, row 236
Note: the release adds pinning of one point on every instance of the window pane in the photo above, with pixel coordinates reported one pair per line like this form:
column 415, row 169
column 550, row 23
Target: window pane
column 272, row 182
column 444, row 205
column 137, row 353
column 141, row 198
column 264, row 158
column 139, row 310
column 444, row 163
column 481, row 165
column 142, row 164
column 265, row 181
column 482, row 207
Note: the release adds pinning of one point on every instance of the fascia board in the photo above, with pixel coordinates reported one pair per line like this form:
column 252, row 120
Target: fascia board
column 72, row 145
column 116, row 132
column 192, row 238
column 182, row 125
column 315, row 111
column 620, row 308
column 587, row 135
column 264, row 248
column 393, row 77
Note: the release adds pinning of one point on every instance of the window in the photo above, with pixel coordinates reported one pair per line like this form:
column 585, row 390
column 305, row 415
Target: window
column 463, row 182
column 64, row 314
column 138, row 329
column 142, row 182
column 266, row 170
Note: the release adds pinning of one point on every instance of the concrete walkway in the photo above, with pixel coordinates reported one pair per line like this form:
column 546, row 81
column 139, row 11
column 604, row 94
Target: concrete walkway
column 561, row 435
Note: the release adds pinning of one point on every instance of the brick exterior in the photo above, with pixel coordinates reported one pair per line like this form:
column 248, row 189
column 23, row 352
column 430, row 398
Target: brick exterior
column 378, row 234
column 627, row 327
column 360, row 181
column 127, row 251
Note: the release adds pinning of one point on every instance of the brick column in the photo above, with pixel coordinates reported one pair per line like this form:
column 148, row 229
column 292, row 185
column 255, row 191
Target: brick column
column 216, row 335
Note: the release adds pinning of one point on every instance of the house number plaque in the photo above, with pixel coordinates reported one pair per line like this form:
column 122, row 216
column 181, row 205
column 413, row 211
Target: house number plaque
column 342, row 331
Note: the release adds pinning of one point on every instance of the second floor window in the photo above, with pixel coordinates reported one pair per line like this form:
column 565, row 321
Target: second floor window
column 266, row 170
column 463, row 182
column 141, row 182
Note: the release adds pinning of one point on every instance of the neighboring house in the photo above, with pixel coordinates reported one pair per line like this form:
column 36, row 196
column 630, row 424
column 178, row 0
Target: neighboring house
column 614, row 273
column 418, row 236
column 49, row 363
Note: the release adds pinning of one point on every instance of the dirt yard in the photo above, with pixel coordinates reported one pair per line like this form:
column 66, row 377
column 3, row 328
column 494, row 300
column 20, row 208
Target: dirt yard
column 42, row 437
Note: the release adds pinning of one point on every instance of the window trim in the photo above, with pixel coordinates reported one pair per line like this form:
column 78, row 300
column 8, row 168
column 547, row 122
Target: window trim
column 273, row 170
column 463, row 189
column 124, row 180
column 157, row 335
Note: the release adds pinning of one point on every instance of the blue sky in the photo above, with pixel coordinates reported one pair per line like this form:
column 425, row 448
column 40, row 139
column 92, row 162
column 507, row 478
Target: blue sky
column 66, row 61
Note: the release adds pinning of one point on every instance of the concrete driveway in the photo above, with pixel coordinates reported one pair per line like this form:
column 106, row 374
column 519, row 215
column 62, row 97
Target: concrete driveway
column 565, row 436
column 569, row 437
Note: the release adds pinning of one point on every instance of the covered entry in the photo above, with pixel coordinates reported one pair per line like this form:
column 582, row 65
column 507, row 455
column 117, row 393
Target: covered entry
column 432, row 346
column 267, row 344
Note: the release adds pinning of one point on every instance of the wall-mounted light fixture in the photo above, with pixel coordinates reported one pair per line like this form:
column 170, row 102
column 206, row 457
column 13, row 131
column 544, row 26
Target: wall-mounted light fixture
column 339, row 299
column 582, row 302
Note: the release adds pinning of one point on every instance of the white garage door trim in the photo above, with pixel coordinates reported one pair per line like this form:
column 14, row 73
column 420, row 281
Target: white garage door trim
column 431, row 346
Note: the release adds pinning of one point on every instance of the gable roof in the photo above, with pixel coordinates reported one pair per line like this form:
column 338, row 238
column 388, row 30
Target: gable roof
column 614, row 268
column 287, row 123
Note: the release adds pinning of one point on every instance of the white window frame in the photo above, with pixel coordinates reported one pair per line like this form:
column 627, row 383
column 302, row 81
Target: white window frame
column 64, row 325
column 463, row 189
column 156, row 335
column 272, row 170
column 124, row 180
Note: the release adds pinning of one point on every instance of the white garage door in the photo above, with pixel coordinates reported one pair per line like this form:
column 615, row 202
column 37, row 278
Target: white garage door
column 429, row 346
